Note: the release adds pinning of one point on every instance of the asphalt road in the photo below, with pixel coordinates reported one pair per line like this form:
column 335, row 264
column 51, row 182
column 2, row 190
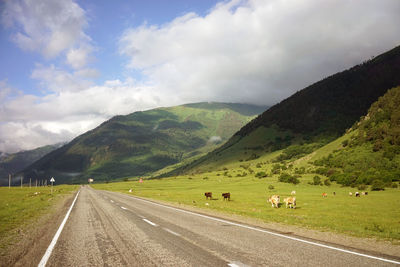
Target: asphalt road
column 113, row 229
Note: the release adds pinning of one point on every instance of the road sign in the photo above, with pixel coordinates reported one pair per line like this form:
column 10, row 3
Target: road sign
column 52, row 181
column 90, row 180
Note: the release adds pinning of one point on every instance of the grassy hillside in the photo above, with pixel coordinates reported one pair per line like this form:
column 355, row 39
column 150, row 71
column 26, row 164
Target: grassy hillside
column 317, row 114
column 370, row 153
column 144, row 142
column 13, row 163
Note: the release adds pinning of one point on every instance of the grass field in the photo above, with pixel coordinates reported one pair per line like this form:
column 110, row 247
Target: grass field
column 21, row 207
column 375, row 215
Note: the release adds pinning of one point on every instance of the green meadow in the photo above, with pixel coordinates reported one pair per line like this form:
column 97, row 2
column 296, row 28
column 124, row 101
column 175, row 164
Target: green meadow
column 375, row 215
column 20, row 208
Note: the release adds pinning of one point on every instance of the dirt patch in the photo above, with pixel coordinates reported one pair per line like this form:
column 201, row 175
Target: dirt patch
column 34, row 238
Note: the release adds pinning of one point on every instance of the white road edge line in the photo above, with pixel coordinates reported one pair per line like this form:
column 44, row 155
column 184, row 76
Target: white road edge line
column 233, row 265
column 149, row 222
column 47, row 254
column 271, row 233
column 171, row 232
column 124, row 208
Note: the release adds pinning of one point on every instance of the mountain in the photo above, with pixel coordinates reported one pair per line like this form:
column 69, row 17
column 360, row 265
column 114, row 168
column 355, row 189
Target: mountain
column 143, row 142
column 316, row 114
column 13, row 163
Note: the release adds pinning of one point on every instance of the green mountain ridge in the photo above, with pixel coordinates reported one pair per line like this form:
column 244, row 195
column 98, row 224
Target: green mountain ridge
column 15, row 162
column 143, row 142
column 318, row 114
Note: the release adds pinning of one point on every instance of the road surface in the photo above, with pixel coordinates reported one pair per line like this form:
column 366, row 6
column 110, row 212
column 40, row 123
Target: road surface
column 113, row 229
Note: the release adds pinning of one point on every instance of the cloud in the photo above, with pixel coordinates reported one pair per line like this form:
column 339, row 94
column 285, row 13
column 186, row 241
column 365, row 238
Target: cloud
column 78, row 58
column 46, row 26
column 54, row 79
column 259, row 51
column 29, row 121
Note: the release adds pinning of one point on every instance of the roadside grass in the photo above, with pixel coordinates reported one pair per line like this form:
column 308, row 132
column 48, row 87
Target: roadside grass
column 376, row 215
column 21, row 207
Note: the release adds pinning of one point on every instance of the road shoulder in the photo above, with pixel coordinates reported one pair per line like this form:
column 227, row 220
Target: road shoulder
column 34, row 238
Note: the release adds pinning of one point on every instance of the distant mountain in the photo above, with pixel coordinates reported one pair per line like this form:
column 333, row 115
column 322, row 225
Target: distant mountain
column 15, row 162
column 143, row 142
column 317, row 114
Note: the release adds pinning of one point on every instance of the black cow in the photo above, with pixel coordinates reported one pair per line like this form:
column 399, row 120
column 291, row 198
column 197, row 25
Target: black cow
column 208, row 195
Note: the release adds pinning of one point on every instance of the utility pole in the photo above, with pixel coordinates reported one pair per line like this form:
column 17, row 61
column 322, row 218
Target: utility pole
column 36, row 182
column 21, row 180
column 30, row 182
column 9, row 180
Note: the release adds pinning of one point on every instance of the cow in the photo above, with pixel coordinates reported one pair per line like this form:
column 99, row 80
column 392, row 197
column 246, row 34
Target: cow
column 324, row 194
column 227, row 196
column 208, row 195
column 357, row 194
column 364, row 193
column 291, row 202
column 350, row 193
column 293, row 193
column 274, row 200
column 334, row 193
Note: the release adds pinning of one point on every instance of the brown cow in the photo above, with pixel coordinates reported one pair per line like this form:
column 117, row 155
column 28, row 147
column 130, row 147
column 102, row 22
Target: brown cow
column 324, row 194
column 208, row 195
column 227, row 196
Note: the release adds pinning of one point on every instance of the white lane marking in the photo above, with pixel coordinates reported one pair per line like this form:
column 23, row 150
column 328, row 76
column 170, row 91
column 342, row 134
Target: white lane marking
column 124, row 208
column 47, row 254
column 171, row 232
column 233, row 265
column 141, row 216
column 112, row 201
column 149, row 222
column 272, row 233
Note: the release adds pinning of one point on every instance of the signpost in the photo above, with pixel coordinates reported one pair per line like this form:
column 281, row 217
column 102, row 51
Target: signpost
column 52, row 181
column 90, row 180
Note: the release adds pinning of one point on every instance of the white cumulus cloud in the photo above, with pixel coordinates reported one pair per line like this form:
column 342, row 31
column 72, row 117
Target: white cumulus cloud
column 260, row 51
column 46, row 26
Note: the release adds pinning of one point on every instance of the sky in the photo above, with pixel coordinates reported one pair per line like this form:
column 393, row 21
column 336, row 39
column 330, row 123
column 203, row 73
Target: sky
column 66, row 66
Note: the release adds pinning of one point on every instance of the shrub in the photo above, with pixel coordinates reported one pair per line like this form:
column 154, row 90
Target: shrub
column 362, row 187
column 317, row 180
column 394, row 185
column 271, row 187
column 377, row 185
column 345, row 143
column 287, row 178
column 261, row 174
column 327, row 182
